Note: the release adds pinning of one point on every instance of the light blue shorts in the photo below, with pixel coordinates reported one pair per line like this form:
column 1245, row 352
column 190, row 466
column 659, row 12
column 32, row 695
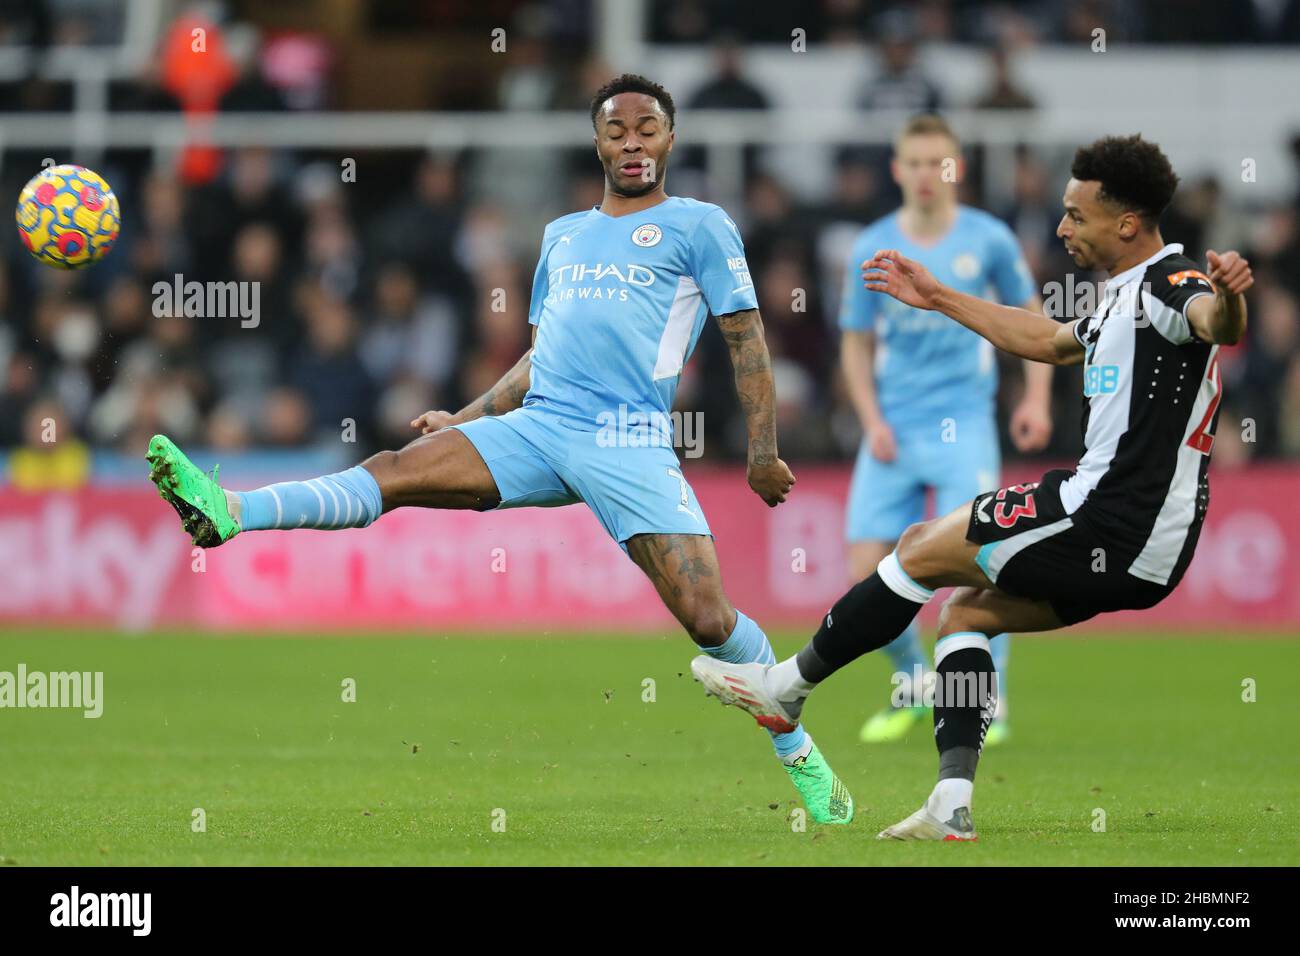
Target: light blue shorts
column 885, row 498
column 538, row 461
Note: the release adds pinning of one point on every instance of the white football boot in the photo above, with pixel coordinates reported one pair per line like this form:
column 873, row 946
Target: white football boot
column 924, row 825
column 744, row 686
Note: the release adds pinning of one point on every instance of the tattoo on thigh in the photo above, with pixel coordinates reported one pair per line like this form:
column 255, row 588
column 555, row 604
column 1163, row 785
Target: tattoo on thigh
column 667, row 560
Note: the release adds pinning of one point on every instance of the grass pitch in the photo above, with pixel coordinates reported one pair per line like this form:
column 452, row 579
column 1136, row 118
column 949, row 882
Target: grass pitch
column 550, row 739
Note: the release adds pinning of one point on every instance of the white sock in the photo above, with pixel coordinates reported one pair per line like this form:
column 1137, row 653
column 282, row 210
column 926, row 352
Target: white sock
column 232, row 505
column 804, row 750
column 948, row 795
column 785, row 683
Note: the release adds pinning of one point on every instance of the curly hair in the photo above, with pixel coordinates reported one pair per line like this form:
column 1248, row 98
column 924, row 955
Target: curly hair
column 634, row 83
column 1133, row 173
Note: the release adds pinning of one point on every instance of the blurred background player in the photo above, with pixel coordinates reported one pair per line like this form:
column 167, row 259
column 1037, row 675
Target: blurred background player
column 924, row 387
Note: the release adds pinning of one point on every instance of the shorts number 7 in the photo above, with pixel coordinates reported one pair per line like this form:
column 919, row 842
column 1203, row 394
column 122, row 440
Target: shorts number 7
column 681, row 480
column 1202, row 439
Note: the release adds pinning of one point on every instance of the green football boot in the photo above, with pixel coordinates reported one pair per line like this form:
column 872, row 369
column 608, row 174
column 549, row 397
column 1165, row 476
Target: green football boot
column 890, row 724
column 824, row 794
column 744, row 686
column 197, row 497
column 999, row 732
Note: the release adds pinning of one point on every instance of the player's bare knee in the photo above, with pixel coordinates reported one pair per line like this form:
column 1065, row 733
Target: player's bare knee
column 706, row 621
column 708, row 630
column 912, row 549
column 908, row 541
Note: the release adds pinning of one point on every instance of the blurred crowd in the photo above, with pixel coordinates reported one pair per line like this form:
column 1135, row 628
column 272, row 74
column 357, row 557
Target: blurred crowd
column 980, row 21
column 1211, row 22
column 407, row 289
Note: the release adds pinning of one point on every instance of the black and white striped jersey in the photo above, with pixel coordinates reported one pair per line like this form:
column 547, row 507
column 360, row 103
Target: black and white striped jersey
column 1151, row 400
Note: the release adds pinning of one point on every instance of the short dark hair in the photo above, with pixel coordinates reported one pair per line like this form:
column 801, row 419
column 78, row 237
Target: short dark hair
column 1133, row 173
column 634, row 83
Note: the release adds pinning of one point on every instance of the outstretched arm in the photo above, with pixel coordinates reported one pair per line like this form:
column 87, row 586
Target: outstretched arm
column 506, row 395
column 1027, row 334
column 1221, row 319
column 768, row 474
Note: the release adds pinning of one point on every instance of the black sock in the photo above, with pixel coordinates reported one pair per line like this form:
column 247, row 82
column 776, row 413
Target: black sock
column 965, row 699
column 868, row 617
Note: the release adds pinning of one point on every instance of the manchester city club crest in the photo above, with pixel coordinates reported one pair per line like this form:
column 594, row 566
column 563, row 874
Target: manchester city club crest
column 965, row 266
column 647, row 235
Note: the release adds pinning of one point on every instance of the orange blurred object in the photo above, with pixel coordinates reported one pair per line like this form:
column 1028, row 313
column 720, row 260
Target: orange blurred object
column 197, row 70
column 195, row 66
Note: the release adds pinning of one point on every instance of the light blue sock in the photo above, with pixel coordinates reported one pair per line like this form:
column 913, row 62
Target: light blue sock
column 746, row 645
column 906, row 654
column 348, row 499
column 1000, row 649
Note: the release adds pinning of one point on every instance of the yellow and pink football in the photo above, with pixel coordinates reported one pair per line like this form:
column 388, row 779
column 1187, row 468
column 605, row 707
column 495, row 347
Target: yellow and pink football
column 68, row 217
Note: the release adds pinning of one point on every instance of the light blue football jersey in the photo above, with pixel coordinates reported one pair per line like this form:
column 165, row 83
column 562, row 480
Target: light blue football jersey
column 927, row 365
column 619, row 303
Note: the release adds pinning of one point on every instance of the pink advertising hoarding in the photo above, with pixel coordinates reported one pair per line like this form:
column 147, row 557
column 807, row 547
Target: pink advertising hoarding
column 116, row 558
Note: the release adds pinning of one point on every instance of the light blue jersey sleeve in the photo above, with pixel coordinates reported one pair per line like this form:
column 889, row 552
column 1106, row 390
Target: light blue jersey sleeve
column 718, row 266
column 858, row 304
column 1008, row 269
column 541, row 286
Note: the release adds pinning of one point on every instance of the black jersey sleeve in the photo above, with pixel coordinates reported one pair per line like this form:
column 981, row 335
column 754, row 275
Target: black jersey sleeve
column 1168, row 288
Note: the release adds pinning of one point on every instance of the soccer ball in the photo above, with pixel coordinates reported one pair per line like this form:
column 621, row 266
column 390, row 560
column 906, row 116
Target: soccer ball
column 68, row 217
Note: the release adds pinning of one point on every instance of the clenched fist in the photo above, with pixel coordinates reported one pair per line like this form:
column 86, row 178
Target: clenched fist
column 1228, row 270
column 771, row 482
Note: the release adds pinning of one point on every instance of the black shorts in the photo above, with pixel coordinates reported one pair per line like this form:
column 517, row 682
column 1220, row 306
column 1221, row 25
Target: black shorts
column 1030, row 548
